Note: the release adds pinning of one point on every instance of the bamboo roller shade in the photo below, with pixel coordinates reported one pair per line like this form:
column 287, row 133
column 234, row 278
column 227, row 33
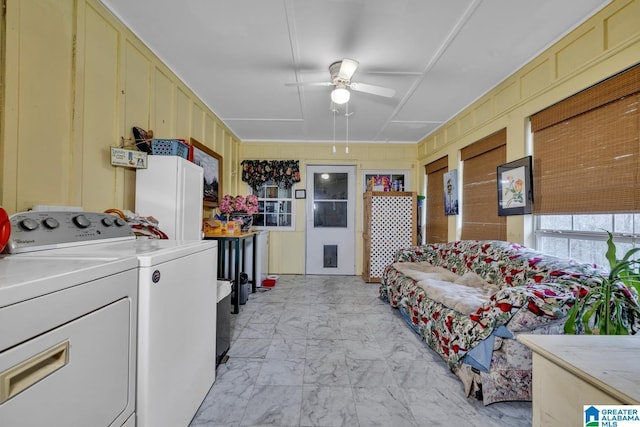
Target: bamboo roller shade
column 437, row 223
column 587, row 150
column 480, row 218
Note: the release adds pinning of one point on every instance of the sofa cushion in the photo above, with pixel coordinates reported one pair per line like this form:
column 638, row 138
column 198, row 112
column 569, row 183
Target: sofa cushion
column 475, row 281
column 462, row 293
column 425, row 270
column 462, row 298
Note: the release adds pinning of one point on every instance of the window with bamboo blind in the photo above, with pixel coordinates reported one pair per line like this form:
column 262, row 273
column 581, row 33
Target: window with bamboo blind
column 587, row 150
column 587, row 170
column 480, row 218
column 437, row 223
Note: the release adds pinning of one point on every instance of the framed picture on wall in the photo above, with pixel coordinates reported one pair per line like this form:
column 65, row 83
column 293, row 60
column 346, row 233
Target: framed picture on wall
column 211, row 163
column 515, row 187
column 450, row 181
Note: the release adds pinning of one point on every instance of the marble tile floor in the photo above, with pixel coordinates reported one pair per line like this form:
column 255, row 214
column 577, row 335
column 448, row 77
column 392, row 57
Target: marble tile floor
column 326, row 351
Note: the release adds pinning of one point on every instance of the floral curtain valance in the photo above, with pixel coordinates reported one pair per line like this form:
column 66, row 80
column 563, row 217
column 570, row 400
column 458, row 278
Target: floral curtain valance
column 285, row 173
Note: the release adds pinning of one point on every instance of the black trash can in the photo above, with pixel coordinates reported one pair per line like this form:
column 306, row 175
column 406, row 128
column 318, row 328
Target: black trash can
column 244, row 288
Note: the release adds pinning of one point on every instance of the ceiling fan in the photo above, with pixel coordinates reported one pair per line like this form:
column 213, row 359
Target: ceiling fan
column 341, row 74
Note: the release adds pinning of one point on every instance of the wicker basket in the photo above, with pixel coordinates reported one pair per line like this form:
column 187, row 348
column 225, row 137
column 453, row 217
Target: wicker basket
column 169, row 147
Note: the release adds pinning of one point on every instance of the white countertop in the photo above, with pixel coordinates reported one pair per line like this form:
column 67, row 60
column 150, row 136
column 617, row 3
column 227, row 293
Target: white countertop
column 608, row 362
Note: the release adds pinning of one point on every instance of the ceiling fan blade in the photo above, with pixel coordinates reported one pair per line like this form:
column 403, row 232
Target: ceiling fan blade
column 347, row 68
column 374, row 90
column 309, row 84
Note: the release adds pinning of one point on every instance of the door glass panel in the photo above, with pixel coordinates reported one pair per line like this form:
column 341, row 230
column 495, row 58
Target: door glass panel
column 331, row 186
column 331, row 191
column 330, row 214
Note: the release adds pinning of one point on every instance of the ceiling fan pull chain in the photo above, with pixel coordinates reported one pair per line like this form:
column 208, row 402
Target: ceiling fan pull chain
column 334, row 127
column 346, row 149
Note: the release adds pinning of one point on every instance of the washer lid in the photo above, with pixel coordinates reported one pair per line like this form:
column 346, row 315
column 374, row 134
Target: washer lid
column 159, row 251
column 148, row 252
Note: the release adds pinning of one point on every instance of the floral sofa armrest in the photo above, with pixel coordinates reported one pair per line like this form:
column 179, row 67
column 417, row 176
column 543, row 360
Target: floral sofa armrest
column 410, row 254
column 428, row 252
column 525, row 308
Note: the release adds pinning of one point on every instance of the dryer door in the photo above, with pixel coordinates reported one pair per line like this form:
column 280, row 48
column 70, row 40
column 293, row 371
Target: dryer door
column 74, row 375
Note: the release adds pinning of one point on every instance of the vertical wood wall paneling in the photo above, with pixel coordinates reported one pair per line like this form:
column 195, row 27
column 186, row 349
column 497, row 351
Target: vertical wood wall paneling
column 137, row 96
column 209, row 131
column 9, row 109
column 2, row 99
column 45, row 49
column 100, row 81
column 164, row 99
column 77, row 106
column 100, row 105
column 218, row 143
column 197, row 123
column 228, row 150
column 183, row 115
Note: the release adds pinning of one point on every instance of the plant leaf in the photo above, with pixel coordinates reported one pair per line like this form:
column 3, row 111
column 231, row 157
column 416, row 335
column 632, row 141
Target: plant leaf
column 611, row 252
column 586, row 317
column 629, row 253
column 621, row 329
column 570, row 324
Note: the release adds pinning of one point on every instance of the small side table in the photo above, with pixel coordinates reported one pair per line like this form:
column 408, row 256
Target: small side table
column 570, row 371
column 233, row 241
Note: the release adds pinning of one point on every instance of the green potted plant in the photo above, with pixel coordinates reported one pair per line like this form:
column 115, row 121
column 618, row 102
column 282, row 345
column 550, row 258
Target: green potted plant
column 611, row 306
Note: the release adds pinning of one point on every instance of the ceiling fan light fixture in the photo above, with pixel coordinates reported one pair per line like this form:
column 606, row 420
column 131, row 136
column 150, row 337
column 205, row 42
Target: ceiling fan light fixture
column 340, row 95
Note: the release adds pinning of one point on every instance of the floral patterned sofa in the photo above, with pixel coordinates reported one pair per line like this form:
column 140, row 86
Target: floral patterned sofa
column 526, row 292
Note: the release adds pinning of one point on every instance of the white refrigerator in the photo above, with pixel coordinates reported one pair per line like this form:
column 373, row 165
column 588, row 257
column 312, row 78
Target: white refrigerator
column 170, row 190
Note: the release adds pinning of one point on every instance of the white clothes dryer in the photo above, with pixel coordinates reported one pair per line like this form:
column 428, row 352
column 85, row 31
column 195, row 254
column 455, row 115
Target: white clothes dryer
column 176, row 339
column 68, row 338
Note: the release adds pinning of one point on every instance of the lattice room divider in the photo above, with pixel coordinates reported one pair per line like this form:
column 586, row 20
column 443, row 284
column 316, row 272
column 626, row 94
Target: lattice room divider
column 389, row 224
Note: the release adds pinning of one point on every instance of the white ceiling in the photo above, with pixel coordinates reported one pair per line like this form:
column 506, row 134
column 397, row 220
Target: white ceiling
column 438, row 55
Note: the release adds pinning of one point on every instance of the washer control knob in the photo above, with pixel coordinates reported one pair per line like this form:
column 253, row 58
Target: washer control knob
column 120, row 222
column 51, row 223
column 29, row 224
column 81, row 221
column 107, row 222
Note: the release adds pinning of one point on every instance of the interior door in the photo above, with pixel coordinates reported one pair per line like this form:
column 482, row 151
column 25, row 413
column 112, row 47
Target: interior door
column 330, row 247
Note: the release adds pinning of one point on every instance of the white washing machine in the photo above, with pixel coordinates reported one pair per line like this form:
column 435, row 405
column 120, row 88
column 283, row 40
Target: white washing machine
column 68, row 337
column 176, row 340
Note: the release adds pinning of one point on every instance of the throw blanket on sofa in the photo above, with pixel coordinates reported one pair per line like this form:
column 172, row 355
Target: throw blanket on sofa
column 534, row 293
column 462, row 293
